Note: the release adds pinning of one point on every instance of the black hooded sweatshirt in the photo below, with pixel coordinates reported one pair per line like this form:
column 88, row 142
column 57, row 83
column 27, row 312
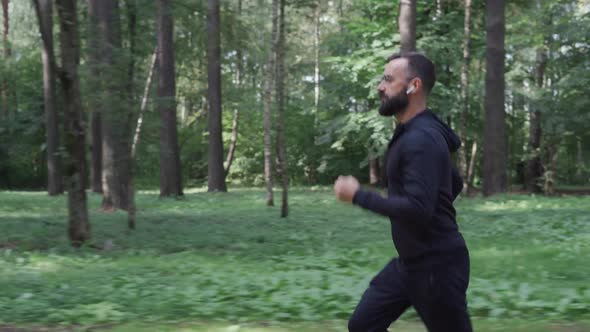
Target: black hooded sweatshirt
column 422, row 185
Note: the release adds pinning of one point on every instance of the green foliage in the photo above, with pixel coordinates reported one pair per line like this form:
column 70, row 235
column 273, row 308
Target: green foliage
column 22, row 130
column 225, row 257
column 345, row 131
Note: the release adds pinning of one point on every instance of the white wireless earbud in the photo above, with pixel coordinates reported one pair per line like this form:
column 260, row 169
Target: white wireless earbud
column 410, row 89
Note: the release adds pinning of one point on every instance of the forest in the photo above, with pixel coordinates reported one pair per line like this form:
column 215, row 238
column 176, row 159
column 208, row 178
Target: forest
column 182, row 142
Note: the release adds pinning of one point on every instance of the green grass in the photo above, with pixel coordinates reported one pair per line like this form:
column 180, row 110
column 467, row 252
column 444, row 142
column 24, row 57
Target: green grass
column 213, row 261
column 339, row 326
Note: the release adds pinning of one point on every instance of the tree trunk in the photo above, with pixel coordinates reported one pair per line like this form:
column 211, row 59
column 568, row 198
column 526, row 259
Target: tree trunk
column 216, row 180
column 312, row 155
column 44, row 10
column 270, row 67
column 239, row 60
column 234, row 132
column 317, row 13
column 131, row 25
column 6, row 45
column 471, row 170
column 407, row 31
column 94, row 83
column 465, row 89
column 494, row 168
column 374, row 171
column 115, row 147
column 232, row 146
column 4, row 104
column 340, row 16
column 131, row 9
column 579, row 159
column 280, row 90
column 78, row 223
column 550, row 172
column 439, row 9
column 534, row 166
column 96, row 153
column 170, row 173
column 407, row 25
column 143, row 106
column 131, row 211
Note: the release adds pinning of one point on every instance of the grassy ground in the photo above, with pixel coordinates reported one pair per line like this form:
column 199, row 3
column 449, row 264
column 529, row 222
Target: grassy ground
column 228, row 260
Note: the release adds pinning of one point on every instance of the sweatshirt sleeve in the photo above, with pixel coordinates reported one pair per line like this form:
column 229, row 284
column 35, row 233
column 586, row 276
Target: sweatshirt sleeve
column 422, row 164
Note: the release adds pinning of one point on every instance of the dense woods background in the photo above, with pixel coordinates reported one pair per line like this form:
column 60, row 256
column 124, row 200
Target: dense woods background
column 172, row 127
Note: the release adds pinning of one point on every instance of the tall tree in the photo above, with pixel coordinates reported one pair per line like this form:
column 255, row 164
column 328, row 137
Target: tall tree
column 131, row 15
column 131, row 9
column 239, row 60
column 495, row 141
column 143, row 106
column 6, row 55
column 407, row 25
column 44, row 10
column 316, row 43
column 94, row 55
column 6, row 45
column 471, row 168
column 313, row 156
column 115, row 138
column 534, row 166
column 579, row 159
column 281, row 74
column 374, row 171
column 216, row 171
column 78, row 223
column 137, row 130
column 239, row 72
column 270, row 68
column 170, row 174
column 463, row 170
column 407, row 31
column 233, row 143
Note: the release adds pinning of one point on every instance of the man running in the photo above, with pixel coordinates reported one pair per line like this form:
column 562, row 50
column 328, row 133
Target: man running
column 432, row 270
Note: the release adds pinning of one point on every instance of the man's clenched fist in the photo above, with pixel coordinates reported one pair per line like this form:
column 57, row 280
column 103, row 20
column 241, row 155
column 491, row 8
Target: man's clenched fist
column 345, row 187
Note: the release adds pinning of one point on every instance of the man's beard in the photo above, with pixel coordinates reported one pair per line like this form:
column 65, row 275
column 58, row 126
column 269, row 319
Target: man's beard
column 393, row 105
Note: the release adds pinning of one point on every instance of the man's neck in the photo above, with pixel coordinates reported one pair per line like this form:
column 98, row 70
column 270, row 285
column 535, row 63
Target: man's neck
column 411, row 111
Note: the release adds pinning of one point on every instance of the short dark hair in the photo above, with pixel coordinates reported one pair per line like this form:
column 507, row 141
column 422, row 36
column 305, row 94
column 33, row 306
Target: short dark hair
column 418, row 66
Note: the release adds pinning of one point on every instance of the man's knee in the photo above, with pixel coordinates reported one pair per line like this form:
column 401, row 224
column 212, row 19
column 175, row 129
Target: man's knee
column 356, row 324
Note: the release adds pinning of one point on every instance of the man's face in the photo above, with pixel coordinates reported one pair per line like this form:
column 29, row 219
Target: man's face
column 392, row 88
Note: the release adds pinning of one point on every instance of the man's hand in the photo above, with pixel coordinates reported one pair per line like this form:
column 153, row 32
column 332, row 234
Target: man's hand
column 345, row 187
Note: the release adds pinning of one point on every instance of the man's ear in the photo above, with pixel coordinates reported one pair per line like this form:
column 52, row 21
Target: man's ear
column 414, row 84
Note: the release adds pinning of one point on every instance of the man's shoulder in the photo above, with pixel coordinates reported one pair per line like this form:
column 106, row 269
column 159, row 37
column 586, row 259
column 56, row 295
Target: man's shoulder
column 422, row 136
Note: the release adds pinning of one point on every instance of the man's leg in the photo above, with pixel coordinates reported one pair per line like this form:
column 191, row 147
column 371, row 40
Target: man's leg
column 439, row 294
column 382, row 303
